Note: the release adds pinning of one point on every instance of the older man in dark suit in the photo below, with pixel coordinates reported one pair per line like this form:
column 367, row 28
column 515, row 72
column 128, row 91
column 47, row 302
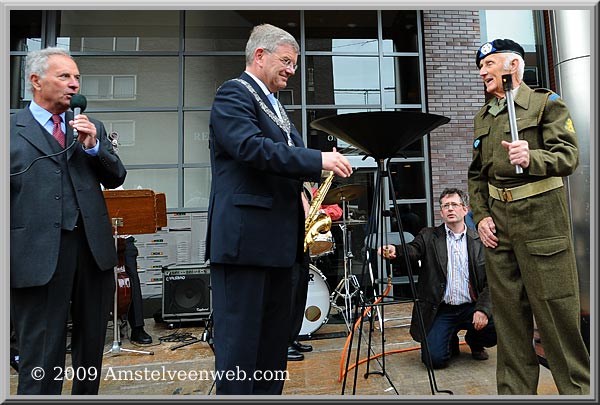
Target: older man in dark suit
column 256, row 217
column 61, row 248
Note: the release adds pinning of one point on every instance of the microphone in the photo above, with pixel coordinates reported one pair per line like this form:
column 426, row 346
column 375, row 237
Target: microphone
column 78, row 105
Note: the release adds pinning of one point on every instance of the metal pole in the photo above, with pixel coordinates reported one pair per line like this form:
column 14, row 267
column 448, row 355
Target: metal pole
column 512, row 119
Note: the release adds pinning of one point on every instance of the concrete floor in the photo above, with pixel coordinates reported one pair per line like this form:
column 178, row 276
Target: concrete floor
column 171, row 372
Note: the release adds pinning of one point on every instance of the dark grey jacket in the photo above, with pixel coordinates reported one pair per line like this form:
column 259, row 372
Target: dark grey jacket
column 429, row 246
column 39, row 196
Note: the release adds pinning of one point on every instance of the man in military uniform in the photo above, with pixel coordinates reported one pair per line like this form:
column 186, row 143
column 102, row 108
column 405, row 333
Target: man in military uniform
column 524, row 222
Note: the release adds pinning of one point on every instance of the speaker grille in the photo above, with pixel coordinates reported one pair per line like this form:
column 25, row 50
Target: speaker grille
column 186, row 293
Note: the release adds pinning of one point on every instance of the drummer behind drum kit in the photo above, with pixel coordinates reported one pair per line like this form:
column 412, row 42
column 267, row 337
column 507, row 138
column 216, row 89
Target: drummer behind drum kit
column 319, row 299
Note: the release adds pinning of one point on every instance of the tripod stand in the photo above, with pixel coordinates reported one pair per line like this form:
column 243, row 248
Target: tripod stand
column 381, row 135
column 116, row 345
column 131, row 211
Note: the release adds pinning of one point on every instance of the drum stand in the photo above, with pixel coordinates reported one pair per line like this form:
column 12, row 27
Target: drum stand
column 116, row 345
column 348, row 287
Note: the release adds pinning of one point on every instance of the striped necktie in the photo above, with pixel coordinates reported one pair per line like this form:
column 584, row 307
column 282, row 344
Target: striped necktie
column 57, row 131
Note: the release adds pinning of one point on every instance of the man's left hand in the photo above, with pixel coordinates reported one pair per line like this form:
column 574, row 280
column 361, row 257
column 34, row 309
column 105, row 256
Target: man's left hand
column 86, row 131
column 480, row 320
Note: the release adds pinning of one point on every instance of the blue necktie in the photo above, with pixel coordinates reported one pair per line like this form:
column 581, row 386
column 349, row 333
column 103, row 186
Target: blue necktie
column 274, row 103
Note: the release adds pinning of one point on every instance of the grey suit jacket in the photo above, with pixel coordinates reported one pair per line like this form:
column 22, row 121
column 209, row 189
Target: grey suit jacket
column 36, row 199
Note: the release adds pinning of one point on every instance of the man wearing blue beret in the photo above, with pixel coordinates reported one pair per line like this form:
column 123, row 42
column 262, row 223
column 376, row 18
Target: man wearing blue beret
column 524, row 222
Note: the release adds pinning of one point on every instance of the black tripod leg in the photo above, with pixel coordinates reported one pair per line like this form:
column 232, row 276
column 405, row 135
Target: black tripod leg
column 421, row 324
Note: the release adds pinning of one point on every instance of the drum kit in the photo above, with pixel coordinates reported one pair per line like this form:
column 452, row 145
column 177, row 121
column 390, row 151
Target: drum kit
column 319, row 298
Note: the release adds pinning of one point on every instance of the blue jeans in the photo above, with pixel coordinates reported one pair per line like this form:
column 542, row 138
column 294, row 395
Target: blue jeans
column 448, row 321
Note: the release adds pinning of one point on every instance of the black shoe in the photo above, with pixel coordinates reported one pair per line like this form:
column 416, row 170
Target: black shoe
column 294, row 355
column 139, row 335
column 300, row 347
column 480, row 354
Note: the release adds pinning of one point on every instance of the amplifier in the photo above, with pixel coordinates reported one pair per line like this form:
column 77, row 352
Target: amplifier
column 186, row 293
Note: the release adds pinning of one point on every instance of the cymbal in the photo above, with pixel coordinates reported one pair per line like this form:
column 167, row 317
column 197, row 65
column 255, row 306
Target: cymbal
column 350, row 222
column 349, row 192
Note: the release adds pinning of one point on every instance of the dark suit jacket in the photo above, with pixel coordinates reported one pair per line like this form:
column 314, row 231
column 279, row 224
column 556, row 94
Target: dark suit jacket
column 255, row 214
column 430, row 247
column 36, row 199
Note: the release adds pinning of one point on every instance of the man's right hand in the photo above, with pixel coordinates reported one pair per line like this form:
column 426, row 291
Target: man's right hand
column 487, row 232
column 387, row 251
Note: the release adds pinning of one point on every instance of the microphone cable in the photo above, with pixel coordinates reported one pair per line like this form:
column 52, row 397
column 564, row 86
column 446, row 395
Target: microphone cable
column 43, row 157
column 78, row 104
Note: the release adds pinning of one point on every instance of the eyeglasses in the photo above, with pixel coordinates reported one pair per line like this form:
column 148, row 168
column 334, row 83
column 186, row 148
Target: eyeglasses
column 453, row 205
column 288, row 63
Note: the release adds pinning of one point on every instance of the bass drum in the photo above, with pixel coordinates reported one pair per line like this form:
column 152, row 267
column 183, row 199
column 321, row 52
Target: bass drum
column 317, row 307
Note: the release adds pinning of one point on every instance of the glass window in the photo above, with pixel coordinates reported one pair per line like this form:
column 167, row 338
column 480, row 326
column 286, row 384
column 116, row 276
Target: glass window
column 401, row 80
column 412, row 215
column 111, row 80
column 148, row 137
column 341, row 31
column 400, row 31
column 123, row 30
column 158, row 180
column 25, row 30
column 195, row 137
column 196, row 187
column 209, row 30
column 204, row 75
column 342, row 80
column 409, row 179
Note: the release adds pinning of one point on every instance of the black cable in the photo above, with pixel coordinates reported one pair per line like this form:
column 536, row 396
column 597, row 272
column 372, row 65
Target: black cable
column 43, row 157
column 178, row 337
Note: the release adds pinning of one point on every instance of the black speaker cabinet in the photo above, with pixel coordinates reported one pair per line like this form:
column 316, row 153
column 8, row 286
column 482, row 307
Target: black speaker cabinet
column 186, row 293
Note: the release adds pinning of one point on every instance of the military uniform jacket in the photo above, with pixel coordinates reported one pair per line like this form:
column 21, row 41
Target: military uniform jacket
column 543, row 120
column 430, row 247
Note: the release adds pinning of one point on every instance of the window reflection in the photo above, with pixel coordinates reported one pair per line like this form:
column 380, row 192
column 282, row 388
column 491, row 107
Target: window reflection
column 123, row 30
column 158, row 180
column 323, row 28
column 228, row 30
column 144, row 137
column 128, row 81
column 400, row 31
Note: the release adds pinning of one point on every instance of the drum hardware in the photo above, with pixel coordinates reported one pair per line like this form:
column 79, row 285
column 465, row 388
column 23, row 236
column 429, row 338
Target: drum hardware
column 350, row 222
column 348, row 288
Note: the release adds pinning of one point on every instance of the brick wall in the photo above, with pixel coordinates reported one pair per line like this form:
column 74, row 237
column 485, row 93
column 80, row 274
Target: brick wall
column 454, row 90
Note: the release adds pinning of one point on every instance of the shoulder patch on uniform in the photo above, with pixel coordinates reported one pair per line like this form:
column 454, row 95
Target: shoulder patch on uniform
column 476, row 143
column 553, row 97
column 569, row 125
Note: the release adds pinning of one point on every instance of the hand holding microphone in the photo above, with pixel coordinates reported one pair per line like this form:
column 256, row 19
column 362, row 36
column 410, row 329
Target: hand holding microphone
column 83, row 130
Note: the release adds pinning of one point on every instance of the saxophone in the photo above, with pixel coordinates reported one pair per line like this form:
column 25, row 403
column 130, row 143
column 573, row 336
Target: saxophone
column 317, row 222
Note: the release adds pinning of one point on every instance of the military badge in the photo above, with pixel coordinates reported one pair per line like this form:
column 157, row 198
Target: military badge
column 569, row 125
column 486, row 48
column 476, row 143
